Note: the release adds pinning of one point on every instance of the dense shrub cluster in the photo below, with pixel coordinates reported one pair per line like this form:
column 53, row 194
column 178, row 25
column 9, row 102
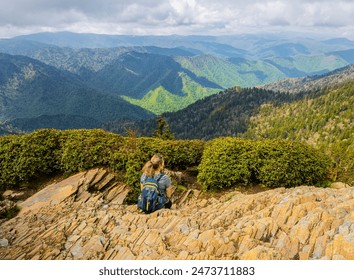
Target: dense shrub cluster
column 46, row 151
column 25, row 157
column 230, row 161
column 84, row 149
column 222, row 162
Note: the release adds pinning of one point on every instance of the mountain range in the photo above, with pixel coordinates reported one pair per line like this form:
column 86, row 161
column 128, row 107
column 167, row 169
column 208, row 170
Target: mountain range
column 30, row 88
column 253, row 46
column 315, row 110
column 68, row 80
column 230, row 113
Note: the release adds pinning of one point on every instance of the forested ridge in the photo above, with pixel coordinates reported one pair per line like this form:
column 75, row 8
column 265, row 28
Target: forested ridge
column 30, row 88
column 326, row 121
column 321, row 117
column 224, row 114
column 114, row 88
column 163, row 73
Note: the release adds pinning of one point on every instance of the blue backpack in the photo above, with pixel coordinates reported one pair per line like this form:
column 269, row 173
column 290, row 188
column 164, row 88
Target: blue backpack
column 150, row 199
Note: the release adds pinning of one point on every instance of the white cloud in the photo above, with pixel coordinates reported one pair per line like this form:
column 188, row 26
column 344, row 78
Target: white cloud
column 176, row 16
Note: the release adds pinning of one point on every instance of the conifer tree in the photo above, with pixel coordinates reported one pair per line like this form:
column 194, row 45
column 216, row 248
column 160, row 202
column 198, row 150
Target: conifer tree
column 163, row 130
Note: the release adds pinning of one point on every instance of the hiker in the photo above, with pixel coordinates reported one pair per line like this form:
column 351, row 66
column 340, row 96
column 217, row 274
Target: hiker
column 155, row 185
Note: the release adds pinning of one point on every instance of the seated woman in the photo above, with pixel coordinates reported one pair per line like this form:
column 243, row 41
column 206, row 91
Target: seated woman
column 154, row 169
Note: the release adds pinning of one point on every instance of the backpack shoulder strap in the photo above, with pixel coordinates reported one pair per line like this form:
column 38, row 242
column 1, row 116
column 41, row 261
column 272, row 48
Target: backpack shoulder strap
column 159, row 178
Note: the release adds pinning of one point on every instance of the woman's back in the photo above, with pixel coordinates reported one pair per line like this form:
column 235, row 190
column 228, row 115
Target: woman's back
column 153, row 169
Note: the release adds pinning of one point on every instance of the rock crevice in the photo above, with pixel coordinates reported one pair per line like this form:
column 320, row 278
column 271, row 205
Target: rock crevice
column 83, row 217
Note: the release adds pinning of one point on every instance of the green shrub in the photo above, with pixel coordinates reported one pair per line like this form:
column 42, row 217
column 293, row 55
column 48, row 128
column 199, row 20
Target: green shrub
column 225, row 163
column 178, row 154
column 135, row 162
column 222, row 162
column 85, row 149
column 230, row 161
column 9, row 152
column 288, row 164
column 26, row 157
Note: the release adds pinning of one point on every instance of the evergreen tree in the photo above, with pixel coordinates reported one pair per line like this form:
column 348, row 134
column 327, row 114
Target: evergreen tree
column 163, row 130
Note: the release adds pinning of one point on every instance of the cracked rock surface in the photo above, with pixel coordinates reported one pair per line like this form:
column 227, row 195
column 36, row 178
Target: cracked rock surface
column 83, row 217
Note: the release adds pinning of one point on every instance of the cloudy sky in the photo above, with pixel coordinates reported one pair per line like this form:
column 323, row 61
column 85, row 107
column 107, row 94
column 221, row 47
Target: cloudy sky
column 161, row 17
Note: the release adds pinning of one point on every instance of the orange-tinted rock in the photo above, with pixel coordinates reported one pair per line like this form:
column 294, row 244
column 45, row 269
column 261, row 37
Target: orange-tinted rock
column 83, row 217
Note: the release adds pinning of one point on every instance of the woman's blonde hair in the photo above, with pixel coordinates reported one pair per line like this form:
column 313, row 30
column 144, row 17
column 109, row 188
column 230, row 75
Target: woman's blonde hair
column 154, row 165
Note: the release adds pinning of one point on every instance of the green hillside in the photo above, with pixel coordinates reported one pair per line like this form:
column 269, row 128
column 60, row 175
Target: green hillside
column 322, row 116
column 326, row 121
column 135, row 74
column 247, row 73
column 147, row 70
column 30, row 88
column 232, row 72
column 256, row 72
column 303, row 65
column 212, row 68
column 161, row 100
column 223, row 114
column 305, row 84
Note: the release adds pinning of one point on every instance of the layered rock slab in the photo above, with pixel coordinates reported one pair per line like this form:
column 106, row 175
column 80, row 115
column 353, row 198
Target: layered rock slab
column 83, row 217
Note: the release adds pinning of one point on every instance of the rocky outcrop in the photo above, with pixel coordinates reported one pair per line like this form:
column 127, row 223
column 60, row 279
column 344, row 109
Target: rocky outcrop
column 83, row 217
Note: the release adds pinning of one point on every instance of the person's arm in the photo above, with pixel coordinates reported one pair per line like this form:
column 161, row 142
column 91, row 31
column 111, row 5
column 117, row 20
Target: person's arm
column 170, row 190
column 166, row 183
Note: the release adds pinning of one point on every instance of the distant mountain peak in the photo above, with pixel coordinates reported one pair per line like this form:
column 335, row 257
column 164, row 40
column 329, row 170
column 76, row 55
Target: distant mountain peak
column 29, row 88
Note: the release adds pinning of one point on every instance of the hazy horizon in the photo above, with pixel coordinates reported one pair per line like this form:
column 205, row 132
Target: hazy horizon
column 314, row 18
